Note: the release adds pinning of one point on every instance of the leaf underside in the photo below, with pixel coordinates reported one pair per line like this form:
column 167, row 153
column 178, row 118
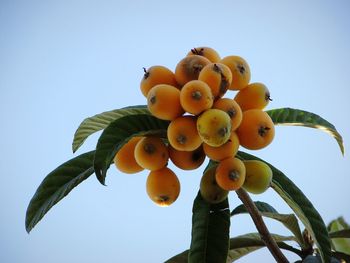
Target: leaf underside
column 210, row 231
column 241, row 246
column 288, row 220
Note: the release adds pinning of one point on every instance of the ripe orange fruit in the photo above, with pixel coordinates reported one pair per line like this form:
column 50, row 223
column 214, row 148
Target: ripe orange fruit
column 228, row 149
column 189, row 67
column 218, row 76
column 163, row 186
column 240, row 71
column 151, row 153
column 254, row 96
column 156, row 75
column 163, row 102
column 195, row 97
column 232, row 109
column 124, row 160
column 230, row 174
column 206, row 52
column 187, row 160
column 182, row 133
column 256, row 130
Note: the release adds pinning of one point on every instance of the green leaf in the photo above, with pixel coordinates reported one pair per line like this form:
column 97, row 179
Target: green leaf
column 262, row 207
column 210, row 231
column 245, row 244
column 118, row 133
column 241, row 246
column 340, row 234
column 57, row 185
column 340, row 244
column 266, row 210
column 301, row 206
column 100, row 121
column 295, row 117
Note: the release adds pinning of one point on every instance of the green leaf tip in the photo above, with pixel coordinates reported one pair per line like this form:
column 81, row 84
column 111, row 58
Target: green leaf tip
column 56, row 185
column 295, row 117
column 100, row 121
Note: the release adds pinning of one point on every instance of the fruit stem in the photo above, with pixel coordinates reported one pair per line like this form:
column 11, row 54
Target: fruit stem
column 260, row 226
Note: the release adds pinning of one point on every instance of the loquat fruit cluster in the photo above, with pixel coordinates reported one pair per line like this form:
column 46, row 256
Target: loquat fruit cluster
column 203, row 123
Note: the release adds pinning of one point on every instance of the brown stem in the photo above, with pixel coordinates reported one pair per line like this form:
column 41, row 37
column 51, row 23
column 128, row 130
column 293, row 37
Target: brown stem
column 261, row 227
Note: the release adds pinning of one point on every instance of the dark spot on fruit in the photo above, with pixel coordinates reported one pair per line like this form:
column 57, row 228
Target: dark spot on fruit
column 231, row 112
column 164, row 198
column 216, row 68
column 196, row 95
column 181, row 139
column 233, row 175
column 263, row 130
column 223, row 131
column 241, row 68
column 153, row 99
column 149, row 148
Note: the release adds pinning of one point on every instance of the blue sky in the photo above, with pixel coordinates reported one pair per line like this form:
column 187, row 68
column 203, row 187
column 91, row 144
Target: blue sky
column 63, row 61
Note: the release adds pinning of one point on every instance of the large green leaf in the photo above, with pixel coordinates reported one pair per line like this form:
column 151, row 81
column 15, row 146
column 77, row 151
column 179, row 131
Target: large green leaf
column 118, row 133
column 295, row 117
column 288, row 220
column 339, row 231
column 241, row 246
column 57, row 185
column 301, row 206
column 100, row 121
column 210, row 231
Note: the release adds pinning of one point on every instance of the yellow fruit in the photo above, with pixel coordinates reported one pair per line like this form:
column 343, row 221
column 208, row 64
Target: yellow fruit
column 219, row 78
column 240, row 71
column 163, row 102
column 156, row 75
column 189, row 67
column 151, row 153
column 228, row 149
column 254, row 96
column 214, row 127
column 206, row 52
column 230, row 174
column 163, row 186
column 258, row 176
column 195, row 97
column 124, row 160
column 209, row 189
column 256, row 130
column 187, row 160
column 232, row 109
column 182, row 133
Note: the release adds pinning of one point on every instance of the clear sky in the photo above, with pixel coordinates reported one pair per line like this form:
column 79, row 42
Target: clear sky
column 63, row 61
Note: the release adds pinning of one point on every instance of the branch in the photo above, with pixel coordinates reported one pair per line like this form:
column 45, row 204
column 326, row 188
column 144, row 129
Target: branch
column 260, row 226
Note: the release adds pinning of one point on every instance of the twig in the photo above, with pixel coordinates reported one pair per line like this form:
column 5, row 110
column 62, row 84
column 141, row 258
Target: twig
column 261, row 227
